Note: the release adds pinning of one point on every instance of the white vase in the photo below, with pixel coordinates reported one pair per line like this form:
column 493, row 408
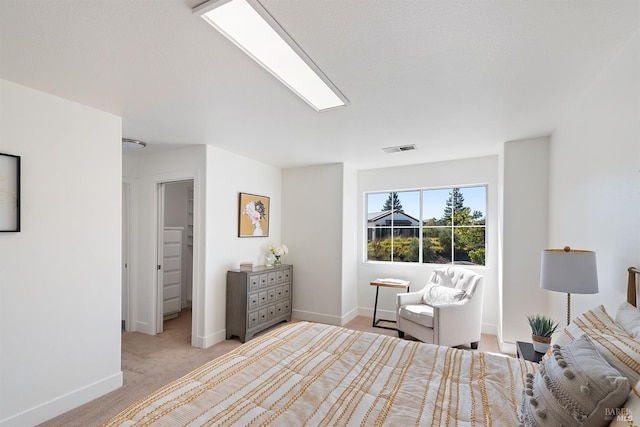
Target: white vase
column 257, row 231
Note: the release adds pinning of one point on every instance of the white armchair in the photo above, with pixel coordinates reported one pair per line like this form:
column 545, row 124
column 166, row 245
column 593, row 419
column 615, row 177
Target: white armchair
column 448, row 311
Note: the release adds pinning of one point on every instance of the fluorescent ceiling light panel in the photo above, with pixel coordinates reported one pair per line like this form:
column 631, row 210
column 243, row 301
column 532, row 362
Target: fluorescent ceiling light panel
column 253, row 30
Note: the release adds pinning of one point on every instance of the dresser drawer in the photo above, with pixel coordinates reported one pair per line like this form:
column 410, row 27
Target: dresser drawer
column 253, row 301
column 264, row 280
column 271, row 295
column 262, row 315
column 262, row 299
column 272, row 279
column 252, row 319
column 271, row 311
column 254, row 282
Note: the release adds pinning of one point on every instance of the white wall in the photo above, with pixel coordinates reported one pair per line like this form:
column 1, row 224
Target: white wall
column 524, row 228
column 482, row 170
column 144, row 175
column 219, row 176
column 595, row 180
column 60, row 276
column 350, row 226
column 312, row 217
column 229, row 174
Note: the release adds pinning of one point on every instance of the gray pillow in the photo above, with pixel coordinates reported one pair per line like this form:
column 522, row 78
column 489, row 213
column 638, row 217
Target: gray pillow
column 574, row 387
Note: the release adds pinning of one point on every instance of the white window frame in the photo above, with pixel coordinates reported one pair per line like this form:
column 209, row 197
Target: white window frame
column 421, row 226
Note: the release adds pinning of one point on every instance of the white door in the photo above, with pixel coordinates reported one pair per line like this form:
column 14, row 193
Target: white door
column 172, row 271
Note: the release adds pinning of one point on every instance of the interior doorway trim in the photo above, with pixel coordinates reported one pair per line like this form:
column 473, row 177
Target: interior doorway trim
column 130, row 254
column 197, row 312
column 126, row 250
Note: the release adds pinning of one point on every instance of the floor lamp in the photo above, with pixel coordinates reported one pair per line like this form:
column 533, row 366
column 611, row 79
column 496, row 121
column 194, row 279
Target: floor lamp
column 569, row 270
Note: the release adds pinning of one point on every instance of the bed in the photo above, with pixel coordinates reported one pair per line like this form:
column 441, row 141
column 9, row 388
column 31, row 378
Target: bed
column 313, row 374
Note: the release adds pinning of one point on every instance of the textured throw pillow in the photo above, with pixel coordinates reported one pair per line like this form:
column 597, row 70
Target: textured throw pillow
column 628, row 317
column 440, row 295
column 575, row 387
column 616, row 345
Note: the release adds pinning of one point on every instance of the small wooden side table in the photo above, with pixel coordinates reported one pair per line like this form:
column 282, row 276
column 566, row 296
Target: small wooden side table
column 387, row 283
column 525, row 351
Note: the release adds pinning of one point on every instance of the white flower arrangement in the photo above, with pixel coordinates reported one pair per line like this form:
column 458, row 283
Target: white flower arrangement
column 278, row 251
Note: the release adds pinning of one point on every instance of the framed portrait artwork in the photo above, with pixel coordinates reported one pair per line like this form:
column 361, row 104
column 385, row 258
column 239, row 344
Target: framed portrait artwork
column 253, row 216
column 9, row 192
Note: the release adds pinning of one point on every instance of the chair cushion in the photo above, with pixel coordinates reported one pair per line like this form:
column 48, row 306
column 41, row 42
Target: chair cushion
column 439, row 295
column 419, row 313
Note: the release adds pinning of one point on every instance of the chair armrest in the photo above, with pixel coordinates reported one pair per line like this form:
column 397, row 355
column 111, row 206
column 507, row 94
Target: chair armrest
column 409, row 298
column 459, row 322
column 464, row 314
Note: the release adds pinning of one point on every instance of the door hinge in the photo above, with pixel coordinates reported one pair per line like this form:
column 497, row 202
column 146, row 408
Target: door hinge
column 159, row 267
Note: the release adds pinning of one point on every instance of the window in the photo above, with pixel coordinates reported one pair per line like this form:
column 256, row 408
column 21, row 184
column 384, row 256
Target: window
column 437, row 226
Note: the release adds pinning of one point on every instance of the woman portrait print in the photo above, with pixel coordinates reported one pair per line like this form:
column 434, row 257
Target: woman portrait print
column 254, row 218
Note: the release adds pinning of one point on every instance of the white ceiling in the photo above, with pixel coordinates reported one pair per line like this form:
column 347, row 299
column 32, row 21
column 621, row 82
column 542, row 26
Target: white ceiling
column 455, row 78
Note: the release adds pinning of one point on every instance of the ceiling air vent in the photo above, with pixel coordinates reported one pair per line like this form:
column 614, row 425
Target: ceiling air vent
column 399, row 148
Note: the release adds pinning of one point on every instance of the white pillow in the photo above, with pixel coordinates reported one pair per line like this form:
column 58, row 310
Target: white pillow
column 628, row 317
column 441, row 295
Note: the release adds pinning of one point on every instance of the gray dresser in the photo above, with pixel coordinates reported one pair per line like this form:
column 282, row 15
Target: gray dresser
column 257, row 299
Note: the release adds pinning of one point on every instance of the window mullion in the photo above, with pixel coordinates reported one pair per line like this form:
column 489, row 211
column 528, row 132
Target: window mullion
column 420, row 231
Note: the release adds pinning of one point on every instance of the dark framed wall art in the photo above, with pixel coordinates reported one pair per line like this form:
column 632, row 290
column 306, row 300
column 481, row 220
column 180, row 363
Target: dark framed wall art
column 253, row 216
column 9, row 192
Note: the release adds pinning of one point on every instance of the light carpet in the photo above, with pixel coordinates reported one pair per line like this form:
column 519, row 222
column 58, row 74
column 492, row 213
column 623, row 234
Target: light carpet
column 148, row 362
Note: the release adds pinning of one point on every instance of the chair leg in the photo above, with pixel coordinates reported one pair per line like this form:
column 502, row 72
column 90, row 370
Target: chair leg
column 474, row 345
column 400, row 334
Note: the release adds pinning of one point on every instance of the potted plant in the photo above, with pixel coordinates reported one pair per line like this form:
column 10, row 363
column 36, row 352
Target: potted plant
column 542, row 327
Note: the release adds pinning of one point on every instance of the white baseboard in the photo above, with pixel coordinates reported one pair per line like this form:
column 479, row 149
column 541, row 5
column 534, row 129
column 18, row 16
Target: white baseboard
column 489, row 329
column 349, row 316
column 507, row 347
column 209, row 340
column 310, row 316
column 144, row 328
column 380, row 314
column 64, row 403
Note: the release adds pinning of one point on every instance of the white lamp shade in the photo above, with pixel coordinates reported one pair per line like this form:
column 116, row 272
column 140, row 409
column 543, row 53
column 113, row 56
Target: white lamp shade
column 570, row 271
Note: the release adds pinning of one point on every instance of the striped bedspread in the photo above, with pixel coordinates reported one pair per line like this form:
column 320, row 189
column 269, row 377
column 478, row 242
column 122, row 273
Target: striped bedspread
column 319, row 375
